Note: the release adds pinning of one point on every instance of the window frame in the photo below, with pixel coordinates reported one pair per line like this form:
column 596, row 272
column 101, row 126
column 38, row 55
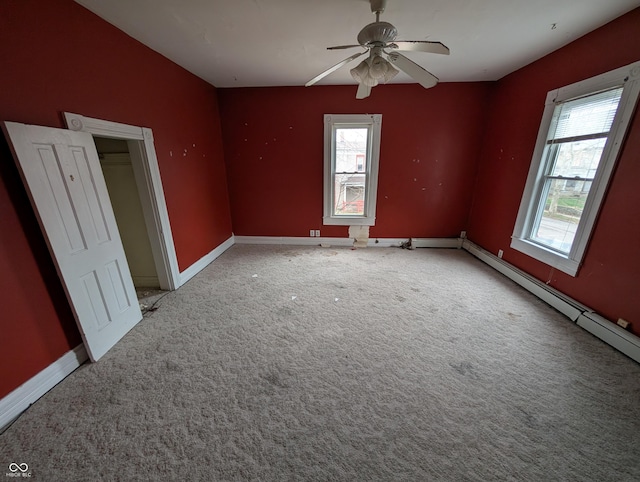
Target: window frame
column 373, row 122
column 627, row 77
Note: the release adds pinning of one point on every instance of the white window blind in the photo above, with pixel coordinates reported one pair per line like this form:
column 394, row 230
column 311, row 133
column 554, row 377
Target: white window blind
column 586, row 117
column 577, row 137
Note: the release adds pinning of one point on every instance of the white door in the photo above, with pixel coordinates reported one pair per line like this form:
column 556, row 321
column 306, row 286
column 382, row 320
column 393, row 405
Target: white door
column 61, row 171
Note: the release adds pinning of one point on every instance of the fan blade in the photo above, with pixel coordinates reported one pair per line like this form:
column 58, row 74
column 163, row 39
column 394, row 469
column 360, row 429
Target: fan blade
column 341, row 47
column 333, row 69
column 424, row 78
column 420, row 46
column 363, row 91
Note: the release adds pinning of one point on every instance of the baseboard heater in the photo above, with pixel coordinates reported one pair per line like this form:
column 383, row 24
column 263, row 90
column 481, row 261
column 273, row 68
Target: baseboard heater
column 372, row 242
column 609, row 332
column 320, row 241
column 436, row 243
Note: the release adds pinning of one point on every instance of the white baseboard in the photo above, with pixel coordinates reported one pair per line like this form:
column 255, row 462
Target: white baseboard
column 387, row 242
column 294, row 241
column 436, row 243
column 146, row 281
column 610, row 333
column 16, row 402
column 372, row 242
column 203, row 262
column 607, row 331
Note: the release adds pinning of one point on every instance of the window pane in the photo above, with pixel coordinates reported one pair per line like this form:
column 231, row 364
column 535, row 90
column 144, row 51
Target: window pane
column 578, row 159
column 351, row 159
column 349, row 191
column 563, row 205
column 351, row 149
column 587, row 115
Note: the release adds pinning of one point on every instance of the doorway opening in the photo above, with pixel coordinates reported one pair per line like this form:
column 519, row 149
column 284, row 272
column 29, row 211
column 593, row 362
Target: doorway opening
column 130, row 167
column 117, row 168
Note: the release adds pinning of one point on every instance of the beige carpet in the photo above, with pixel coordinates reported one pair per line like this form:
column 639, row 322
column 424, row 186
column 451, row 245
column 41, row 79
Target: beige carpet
column 283, row 363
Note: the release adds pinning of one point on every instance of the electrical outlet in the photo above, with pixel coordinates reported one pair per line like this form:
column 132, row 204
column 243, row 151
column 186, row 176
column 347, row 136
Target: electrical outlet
column 463, row 234
column 317, row 233
column 623, row 323
column 312, row 233
column 500, row 253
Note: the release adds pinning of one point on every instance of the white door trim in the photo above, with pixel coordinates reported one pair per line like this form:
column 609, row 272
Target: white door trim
column 147, row 174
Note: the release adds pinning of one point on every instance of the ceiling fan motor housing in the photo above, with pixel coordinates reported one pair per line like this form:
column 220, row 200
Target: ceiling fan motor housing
column 377, row 32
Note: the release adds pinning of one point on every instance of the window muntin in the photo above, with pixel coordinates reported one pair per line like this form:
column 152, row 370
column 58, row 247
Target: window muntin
column 352, row 146
column 581, row 132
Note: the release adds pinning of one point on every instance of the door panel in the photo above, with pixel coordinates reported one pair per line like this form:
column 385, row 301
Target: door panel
column 62, row 174
column 88, row 183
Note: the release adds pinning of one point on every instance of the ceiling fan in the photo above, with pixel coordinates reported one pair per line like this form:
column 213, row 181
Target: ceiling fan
column 378, row 39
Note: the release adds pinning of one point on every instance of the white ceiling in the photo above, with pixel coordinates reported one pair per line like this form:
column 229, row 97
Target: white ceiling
column 250, row 43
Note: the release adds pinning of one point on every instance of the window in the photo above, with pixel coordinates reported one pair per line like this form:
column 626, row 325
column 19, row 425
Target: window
column 582, row 129
column 351, row 154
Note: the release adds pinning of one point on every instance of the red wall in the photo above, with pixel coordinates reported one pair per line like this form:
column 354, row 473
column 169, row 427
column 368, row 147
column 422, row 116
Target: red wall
column 56, row 56
column 608, row 281
column 273, row 141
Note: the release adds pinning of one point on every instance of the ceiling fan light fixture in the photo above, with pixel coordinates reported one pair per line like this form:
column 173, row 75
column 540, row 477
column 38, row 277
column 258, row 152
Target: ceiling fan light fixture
column 362, row 74
column 378, row 67
column 373, row 70
column 370, row 81
column 360, row 71
column 390, row 73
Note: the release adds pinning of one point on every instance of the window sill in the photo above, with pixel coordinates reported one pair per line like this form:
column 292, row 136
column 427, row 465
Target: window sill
column 348, row 221
column 546, row 256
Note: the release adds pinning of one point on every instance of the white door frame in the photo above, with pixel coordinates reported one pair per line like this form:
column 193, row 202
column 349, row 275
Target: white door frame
column 147, row 175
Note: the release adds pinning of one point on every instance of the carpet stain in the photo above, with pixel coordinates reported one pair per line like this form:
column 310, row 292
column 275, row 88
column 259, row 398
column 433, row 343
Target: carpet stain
column 276, row 378
column 291, row 254
column 329, row 253
column 528, row 419
column 284, row 311
column 172, row 366
column 464, row 368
